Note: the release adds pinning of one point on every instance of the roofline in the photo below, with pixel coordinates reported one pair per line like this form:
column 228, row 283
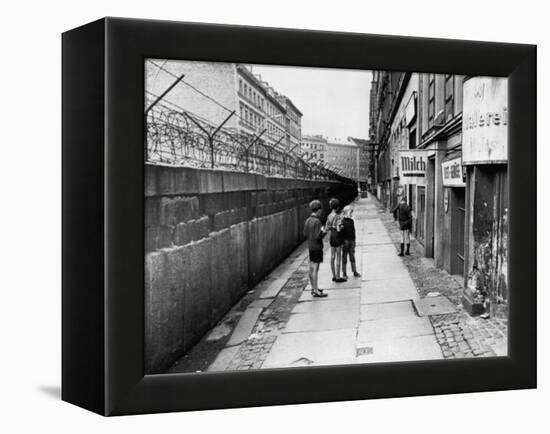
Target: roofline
column 296, row 109
column 244, row 70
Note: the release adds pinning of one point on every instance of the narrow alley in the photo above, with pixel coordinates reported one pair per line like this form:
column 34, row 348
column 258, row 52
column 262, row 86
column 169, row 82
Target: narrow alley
column 378, row 317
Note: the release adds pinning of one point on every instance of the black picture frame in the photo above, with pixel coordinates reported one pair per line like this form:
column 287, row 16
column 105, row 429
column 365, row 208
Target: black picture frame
column 103, row 236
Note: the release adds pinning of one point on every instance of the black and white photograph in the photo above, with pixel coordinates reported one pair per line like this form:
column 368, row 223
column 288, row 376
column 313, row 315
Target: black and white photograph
column 287, row 217
column 301, row 216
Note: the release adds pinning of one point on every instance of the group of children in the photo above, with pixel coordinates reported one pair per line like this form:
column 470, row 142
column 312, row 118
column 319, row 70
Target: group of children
column 341, row 229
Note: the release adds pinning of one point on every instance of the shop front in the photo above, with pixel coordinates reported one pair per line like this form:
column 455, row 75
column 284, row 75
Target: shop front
column 413, row 165
column 454, row 209
column 485, row 155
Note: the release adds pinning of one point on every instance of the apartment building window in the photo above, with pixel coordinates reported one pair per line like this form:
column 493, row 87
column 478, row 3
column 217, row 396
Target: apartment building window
column 431, row 99
column 449, row 96
column 240, row 85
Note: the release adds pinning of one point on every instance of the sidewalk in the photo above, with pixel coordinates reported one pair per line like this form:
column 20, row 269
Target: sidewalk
column 379, row 317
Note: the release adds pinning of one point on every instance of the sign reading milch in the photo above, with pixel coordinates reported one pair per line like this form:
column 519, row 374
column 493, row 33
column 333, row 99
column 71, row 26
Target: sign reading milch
column 485, row 120
column 412, row 166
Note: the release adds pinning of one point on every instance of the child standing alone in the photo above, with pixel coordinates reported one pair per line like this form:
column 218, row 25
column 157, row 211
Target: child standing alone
column 348, row 236
column 314, row 233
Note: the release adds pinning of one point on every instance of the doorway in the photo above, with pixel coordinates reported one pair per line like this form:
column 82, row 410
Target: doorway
column 458, row 218
column 421, row 212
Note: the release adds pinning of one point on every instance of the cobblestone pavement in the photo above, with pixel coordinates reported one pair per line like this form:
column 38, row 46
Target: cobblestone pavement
column 459, row 334
column 253, row 352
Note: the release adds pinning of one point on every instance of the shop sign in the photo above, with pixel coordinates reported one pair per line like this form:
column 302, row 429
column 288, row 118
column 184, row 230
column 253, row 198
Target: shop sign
column 412, row 166
column 453, row 175
column 485, row 120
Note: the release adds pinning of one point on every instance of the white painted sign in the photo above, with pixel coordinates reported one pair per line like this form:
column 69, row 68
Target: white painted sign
column 485, row 120
column 412, row 166
column 452, row 173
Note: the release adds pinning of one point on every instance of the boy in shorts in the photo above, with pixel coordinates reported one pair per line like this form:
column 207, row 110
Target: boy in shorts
column 348, row 236
column 334, row 226
column 314, row 233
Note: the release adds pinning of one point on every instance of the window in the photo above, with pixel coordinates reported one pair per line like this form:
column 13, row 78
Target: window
column 449, row 96
column 431, row 100
column 240, row 85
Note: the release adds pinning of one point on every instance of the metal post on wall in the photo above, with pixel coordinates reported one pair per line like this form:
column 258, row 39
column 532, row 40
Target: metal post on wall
column 284, row 158
column 154, row 103
column 211, row 136
column 269, row 155
column 247, row 149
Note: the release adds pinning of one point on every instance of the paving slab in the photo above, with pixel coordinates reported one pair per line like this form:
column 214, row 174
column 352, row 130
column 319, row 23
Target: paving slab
column 434, row 306
column 308, row 348
column 245, row 326
column 329, row 284
column 383, row 275
column 392, row 328
column 261, row 303
column 331, row 294
column 400, row 350
column 323, row 320
column 224, row 358
column 220, row 331
column 370, row 312
column 385, row 291
column 271, row 288
column 326, row 305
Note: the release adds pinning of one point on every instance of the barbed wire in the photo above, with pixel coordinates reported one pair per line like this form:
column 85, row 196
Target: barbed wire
column 179, row 137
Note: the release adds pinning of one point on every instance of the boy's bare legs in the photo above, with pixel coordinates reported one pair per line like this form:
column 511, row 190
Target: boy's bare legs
column 345, row 250
column 332, row 261
column 313, row 278
column 352, row 259
column 338, row 260
column 314, row 275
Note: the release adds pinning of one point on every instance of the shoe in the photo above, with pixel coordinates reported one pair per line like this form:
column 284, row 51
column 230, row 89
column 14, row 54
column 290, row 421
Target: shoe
column 334, row 279
column 340, row 280
column 408, row 252
column 319, row 294
column 356, row 274
column 402, row 248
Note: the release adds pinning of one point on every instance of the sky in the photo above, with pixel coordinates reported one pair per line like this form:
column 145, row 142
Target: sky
column 334, row 102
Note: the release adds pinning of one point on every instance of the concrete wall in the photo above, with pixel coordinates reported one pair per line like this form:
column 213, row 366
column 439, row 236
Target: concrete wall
column 209, row 237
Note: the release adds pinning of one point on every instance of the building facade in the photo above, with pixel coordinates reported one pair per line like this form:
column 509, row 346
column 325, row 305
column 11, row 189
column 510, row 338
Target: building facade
column 212, row 90
column 366, row 164
column 314, row 147
column 343, row 155
column 442, row 143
